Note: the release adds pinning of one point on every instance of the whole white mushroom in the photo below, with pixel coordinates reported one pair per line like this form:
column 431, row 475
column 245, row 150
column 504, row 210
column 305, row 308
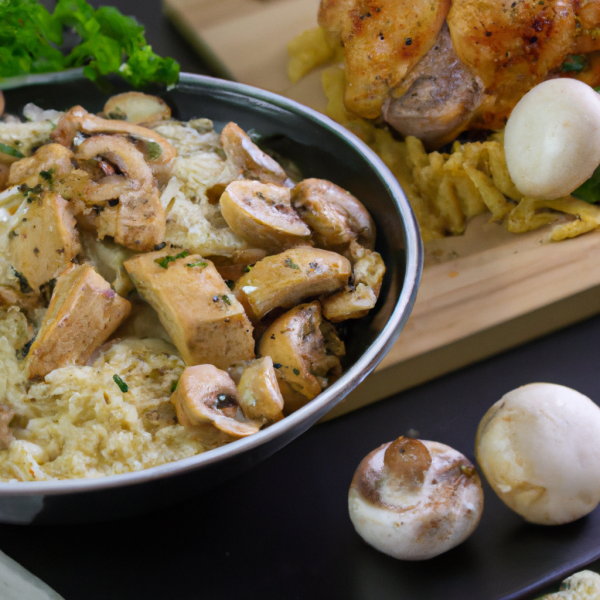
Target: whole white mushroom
column 415, row 499
column 539, row 449
column 552, row 138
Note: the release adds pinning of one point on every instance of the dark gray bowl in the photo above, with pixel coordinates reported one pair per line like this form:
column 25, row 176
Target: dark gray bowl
column 321, row 148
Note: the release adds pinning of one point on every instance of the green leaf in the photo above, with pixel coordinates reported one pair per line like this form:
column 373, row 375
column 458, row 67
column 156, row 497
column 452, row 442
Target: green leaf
column 589, row 191
column 174, row 386
column 5, row 149
column 153, row 150
column 574, row 63
column 288, row 262
column 122, row 385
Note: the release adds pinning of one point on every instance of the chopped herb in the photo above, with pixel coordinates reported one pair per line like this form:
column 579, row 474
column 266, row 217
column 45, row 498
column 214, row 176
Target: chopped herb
column 277, row 365
column 174, row 386
column 23, row 283
column 153, row 150
column 30, row 193
column 296, row 372
column 408, row 41
column 248, row 268
column 574, row 63
column 230, row 283
column 117, row 115
column 122, row 385
column 108, row 42
column 197, row 264
column 288, row 262
column 47, row 175
column 226, row 300
column 589, row 191
column 165, row 260
column 47, row 289
column 5, row 149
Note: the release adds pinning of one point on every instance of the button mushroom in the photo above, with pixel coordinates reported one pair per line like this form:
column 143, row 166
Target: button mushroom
column 249, row 158
column 538, row 447
column 305, row 351
column 415, row 499
column 84, row 311
column 287, row 278
column 138, row 221
column 356, row 300
column 203, row 318
column 45, row 240
column 334, row 215
column 261, row 214
column 206, row 394
column 259, row 394
column 137, row 108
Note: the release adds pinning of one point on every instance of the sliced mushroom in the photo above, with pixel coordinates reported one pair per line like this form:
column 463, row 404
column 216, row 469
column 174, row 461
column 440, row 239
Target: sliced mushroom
column 259, row 394
column 304, row 357
column 206, row 394
column 158, row 150
column 334, row 215
column 138, row 221
column 45, row 241
column 203, row 318
column 250, row 159
column 83, row 313
column 290, row 277
column 261, row 214
column 137, row 108
column 356, row 300
column 415, row 499
column 49, row 163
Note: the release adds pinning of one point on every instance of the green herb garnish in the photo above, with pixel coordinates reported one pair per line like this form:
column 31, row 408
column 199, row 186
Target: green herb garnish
column 30, row 193
column 589, row 191
column 122, row 385
column 174, row 386
column 153, row 150
column 296, row 372
column 288, row 262
column 226, row 300
column 47, row 175
column 23, row 283
column 248, row 268
column 165, row 260
column 5, row 149
column 31, row 39
column 574, row 63
column 197, row 264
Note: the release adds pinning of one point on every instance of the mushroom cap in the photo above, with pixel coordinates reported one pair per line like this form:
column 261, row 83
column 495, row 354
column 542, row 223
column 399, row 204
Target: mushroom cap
column 552, row 138
column 434, row 505
column 538, row 447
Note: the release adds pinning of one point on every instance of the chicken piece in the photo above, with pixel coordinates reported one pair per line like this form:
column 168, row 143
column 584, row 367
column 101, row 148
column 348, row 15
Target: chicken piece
column 249, row 158
column 511, row 47
column 355, row 301
column 45, row 241
column 138, row 221
column 383, row 40
column 437, row 98
column 83, row 313
column 203, row 318
column 49, row 162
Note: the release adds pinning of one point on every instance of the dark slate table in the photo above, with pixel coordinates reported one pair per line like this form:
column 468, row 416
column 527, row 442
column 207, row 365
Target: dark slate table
column 281, row 531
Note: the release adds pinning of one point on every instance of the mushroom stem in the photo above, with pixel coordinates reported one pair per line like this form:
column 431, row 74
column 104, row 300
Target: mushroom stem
column 408, row 461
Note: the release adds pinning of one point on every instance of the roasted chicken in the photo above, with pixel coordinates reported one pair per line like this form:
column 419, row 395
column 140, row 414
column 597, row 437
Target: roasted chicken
column 433, row 69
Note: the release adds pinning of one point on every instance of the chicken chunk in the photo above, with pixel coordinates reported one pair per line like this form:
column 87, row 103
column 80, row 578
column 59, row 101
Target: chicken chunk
column 203, row 318
column 48, row 163
column 83, row 313
column 45, row 241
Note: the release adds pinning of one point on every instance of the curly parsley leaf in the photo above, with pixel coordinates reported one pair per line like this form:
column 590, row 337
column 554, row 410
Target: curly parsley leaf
column 31, row 40
column 589, row 191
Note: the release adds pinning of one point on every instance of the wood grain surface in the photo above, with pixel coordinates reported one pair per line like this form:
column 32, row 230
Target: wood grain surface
column 481, row 293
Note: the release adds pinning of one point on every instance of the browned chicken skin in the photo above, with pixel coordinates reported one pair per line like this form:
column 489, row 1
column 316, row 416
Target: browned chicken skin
column 468, row 63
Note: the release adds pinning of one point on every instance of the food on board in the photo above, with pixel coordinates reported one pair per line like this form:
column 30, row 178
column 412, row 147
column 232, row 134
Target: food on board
column 538, row 448
column 415, row 499
column 160, row 295
column 552, row 139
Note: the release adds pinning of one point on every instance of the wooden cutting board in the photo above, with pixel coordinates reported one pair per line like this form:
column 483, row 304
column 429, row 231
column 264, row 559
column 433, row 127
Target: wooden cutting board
column 483, row 292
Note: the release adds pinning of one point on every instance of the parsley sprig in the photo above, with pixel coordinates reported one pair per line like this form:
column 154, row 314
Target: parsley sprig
column 31, row 40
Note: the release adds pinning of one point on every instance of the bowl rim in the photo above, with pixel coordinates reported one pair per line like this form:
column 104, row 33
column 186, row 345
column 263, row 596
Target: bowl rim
column 325, row 401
